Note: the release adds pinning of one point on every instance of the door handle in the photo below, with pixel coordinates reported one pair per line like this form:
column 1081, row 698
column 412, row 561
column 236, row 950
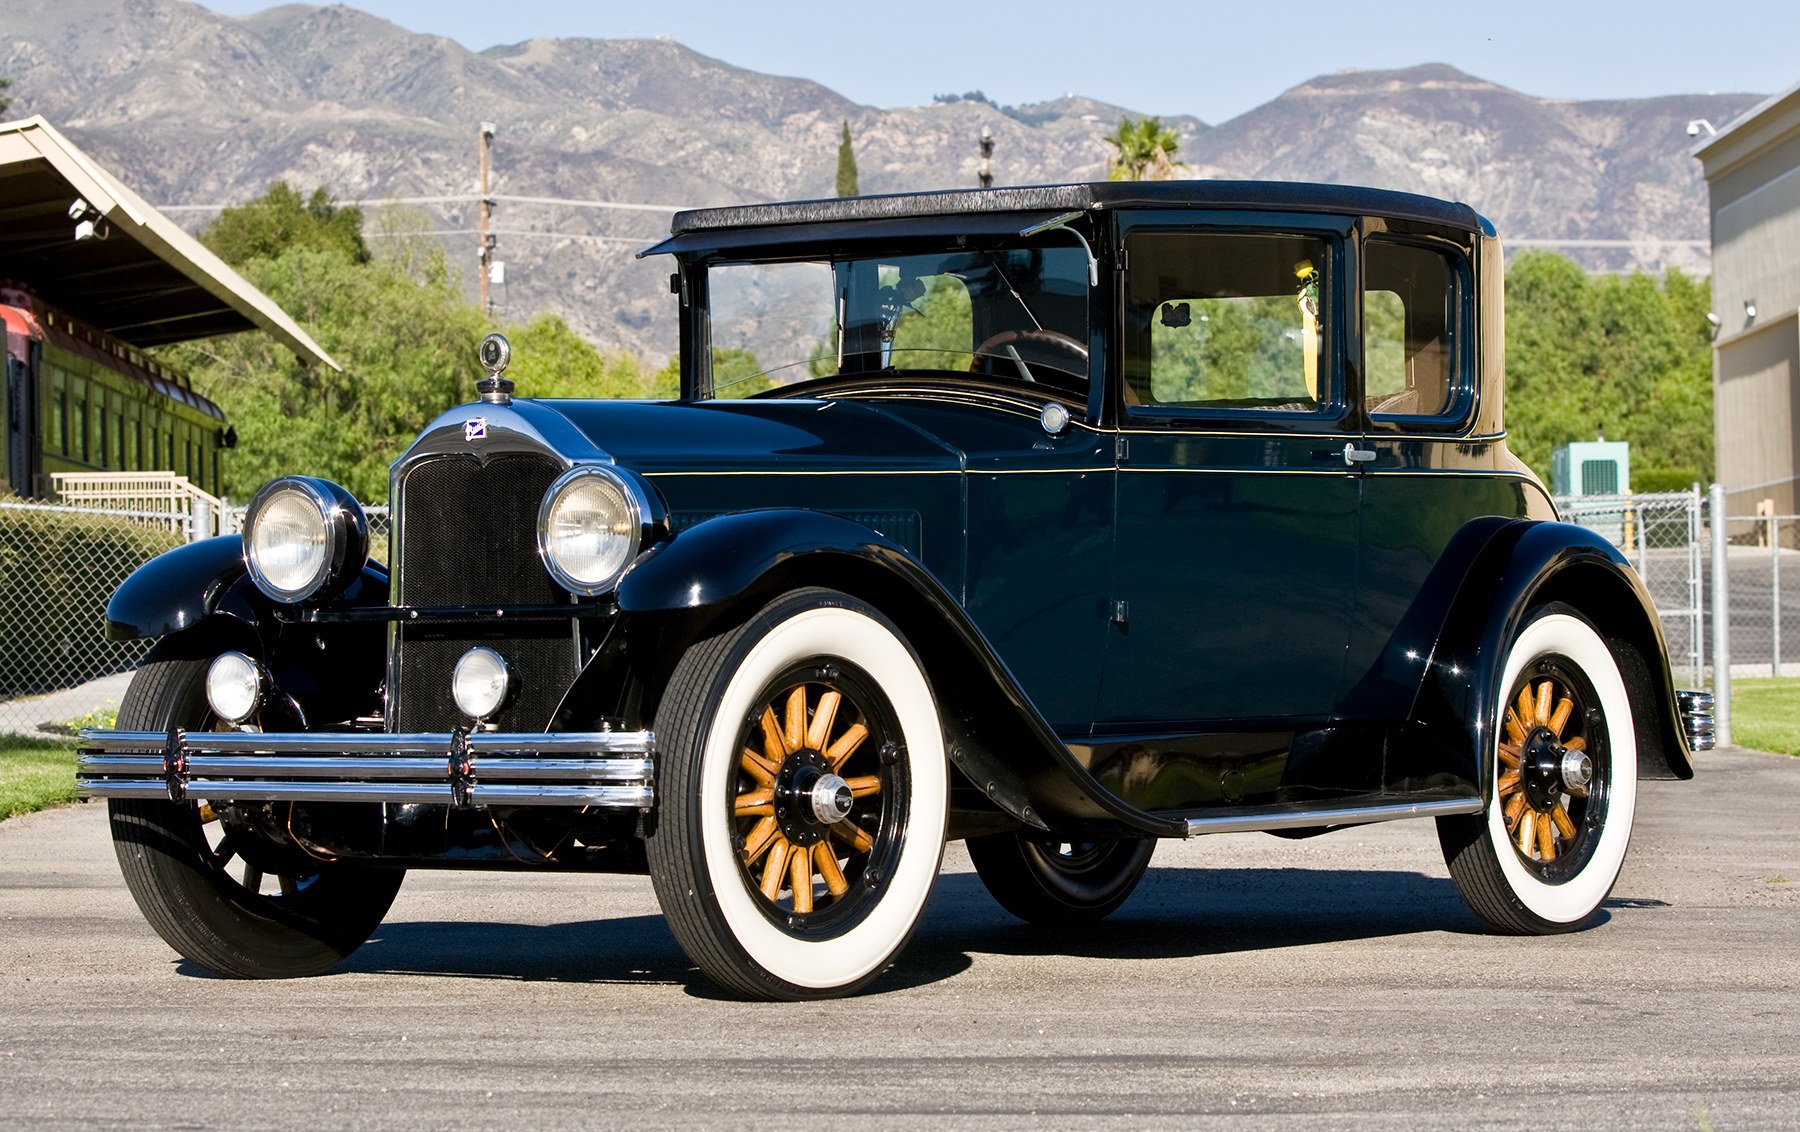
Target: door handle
column 1354, row 455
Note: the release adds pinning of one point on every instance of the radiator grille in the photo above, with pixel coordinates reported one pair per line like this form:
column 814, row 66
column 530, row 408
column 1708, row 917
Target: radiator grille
column 468, row 536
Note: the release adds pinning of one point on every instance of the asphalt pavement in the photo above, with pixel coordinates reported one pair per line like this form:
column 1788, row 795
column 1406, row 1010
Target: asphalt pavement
column 1336, row 982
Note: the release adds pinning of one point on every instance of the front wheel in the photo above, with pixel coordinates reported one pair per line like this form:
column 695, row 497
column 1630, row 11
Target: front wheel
column 801, row 798
column 1549, row 846
column 1044, row 880
column 216, row 890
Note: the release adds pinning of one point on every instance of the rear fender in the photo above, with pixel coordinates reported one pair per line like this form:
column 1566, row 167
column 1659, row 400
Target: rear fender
column 1519, row 566
column 198, row 600
column 722, row 570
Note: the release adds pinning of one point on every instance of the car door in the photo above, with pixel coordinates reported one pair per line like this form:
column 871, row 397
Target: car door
column 1235, row 537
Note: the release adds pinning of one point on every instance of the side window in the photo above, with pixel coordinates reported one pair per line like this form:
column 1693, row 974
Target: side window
column 1412, row 332
column 1228, row 322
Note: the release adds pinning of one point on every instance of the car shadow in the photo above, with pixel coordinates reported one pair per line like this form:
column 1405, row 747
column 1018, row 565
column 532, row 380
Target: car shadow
column 1175, row 913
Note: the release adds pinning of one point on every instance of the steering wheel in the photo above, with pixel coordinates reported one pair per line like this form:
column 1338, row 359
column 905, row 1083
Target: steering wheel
column 1054, row 339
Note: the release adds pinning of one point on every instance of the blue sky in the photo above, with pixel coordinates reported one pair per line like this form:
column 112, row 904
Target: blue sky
column 1204, row 58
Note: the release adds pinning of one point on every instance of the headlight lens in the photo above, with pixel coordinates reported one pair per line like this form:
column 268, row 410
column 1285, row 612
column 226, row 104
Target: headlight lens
column 590, row 528
column 233, row 686
column 299, row 534
column 480, row 683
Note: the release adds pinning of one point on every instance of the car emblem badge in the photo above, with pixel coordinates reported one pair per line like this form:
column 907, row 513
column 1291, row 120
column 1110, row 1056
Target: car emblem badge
column 475, row 428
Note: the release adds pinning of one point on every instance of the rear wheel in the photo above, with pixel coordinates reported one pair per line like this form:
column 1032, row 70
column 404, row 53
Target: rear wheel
column 216, row 891
column 801, row 798
column 1044, row 880
column 1549, row 846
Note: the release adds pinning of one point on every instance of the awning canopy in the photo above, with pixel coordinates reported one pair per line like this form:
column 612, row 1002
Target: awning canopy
column 146, row 282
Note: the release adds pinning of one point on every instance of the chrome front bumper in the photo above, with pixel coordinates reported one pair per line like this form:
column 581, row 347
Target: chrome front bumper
column 1697, row 718
column 607, row 769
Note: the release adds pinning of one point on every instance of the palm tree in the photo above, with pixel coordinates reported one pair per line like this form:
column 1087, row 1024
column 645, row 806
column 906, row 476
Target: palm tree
column 1143, row 150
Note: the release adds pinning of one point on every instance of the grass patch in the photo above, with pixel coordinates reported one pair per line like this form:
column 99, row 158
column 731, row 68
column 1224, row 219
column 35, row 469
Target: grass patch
column 34, row 773
column 1765, row 714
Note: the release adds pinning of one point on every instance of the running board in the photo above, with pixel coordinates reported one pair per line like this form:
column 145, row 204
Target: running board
column 1275, row 818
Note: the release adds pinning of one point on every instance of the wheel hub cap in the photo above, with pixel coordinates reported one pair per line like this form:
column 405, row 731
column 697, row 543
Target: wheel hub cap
column 831, row 799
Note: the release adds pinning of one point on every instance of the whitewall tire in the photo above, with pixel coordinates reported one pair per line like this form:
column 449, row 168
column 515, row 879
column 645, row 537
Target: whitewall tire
column 1547, row 850
column 802, row 796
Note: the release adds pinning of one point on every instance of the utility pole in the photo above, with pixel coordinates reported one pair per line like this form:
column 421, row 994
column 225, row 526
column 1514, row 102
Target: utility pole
column 987, row 155
column 487, row 214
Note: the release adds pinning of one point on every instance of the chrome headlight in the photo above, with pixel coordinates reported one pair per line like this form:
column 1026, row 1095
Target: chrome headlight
column 591, row 525
column 301, row 535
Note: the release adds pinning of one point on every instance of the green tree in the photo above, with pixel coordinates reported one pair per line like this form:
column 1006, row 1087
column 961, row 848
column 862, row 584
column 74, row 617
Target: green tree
column 4, row 101
column 281, row 219
column 1143, row 150
column 846, row 170
column 1624, row 355
column 551, row 360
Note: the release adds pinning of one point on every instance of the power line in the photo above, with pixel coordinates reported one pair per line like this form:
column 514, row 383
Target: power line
column 635, row 241
column 468, row 198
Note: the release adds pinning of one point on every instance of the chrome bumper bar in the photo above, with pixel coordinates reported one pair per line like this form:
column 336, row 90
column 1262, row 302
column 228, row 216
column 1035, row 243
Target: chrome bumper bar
column 1697, row 718
column 607, row 769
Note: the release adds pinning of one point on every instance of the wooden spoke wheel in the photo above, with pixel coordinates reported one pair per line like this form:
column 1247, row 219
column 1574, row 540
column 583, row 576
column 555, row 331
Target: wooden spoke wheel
column 815, row 785
column 219, row 892
column 802, row 796
column 1546, row 851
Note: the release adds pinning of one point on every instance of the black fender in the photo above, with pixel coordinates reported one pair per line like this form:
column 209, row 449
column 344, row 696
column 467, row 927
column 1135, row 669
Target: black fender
column 1492, row 576
column 198, row 600
column 697, row 582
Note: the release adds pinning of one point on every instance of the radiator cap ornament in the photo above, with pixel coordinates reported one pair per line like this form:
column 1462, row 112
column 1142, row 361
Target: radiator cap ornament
column 496, row 352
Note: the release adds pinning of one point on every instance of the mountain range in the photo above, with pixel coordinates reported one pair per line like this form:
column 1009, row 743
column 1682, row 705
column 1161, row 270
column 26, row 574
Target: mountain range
column 191, row 107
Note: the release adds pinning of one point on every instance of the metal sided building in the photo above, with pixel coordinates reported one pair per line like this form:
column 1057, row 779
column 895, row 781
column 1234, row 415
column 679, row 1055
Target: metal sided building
column 91, row 277
column 1753, row 177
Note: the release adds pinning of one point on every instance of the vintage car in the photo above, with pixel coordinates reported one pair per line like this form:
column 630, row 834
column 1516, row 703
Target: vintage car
column 1060, row 519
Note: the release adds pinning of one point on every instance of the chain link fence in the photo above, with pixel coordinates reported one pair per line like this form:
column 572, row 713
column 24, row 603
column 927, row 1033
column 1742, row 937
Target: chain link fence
column 58, row 567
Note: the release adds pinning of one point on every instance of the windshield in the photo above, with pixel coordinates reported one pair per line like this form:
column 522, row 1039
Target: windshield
column 1012, row 314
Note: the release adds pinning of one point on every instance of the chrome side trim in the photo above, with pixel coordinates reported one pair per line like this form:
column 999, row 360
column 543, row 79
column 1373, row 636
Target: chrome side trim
column 347, row 742
column 1697, row 718
column 1253, row 822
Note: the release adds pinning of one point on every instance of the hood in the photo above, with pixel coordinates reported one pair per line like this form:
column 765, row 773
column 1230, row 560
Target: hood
column 794, row 436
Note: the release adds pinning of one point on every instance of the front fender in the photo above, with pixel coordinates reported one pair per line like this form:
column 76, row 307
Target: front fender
column 727, row 567
column 1520, row 565
column 198, row 600
column 177, row 590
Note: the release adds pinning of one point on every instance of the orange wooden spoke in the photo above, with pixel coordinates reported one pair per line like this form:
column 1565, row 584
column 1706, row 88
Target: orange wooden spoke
column 208, row 815
column 1510, row 755
column 760, row 838
column 800, row 879
column 1559, row 718
column 863, row 785
column 795, row 735
column 755, row 803
column 1527, row 831
column 823, row 717
column 1514, row 808
column 854, row 834
column 1563, row 825
column 1546, row 839
column 1514, row 729
column 776, row 869
column 846, row 744
column 1576, row 744
column 1508, row 782
column 1527, row 709
column 775, row 748
column 1541, row 709
column 826, row 858
column 756, row 768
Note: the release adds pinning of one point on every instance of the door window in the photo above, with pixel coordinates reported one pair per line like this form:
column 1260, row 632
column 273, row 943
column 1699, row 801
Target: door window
column 1228, row 322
